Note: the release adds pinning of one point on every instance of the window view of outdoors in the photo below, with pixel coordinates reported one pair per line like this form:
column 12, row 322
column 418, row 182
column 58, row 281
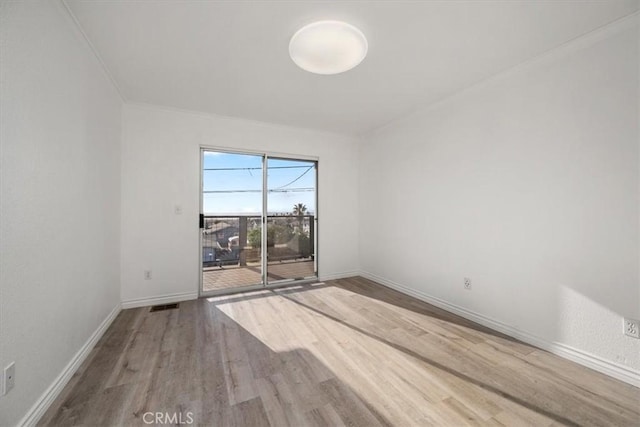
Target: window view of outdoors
column 232, row 234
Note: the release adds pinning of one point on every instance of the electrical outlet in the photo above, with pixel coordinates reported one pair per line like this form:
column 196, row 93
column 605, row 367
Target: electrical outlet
column 8, row 378
column 632, row 328
column 467, row 283
column 147, row 275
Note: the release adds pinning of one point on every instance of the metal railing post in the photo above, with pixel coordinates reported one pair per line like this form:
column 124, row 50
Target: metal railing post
column 242, row 240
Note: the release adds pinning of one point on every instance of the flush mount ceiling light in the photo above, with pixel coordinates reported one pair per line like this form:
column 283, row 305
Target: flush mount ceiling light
column 328, row 47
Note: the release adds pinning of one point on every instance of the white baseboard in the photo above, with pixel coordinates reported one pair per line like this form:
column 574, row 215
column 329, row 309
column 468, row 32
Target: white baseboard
column 51, row 393
column 622, row 373
column 335, row 276
column 162, row 299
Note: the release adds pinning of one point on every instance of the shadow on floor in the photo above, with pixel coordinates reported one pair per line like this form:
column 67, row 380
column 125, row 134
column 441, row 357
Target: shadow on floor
column 521, row 382
column 196, row 363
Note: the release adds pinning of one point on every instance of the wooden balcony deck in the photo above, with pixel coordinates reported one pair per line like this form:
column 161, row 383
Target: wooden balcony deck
column 234, row 276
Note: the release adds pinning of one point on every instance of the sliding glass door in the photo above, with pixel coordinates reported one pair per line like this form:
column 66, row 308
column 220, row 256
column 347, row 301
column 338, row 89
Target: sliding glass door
column 232, row 215
column 241, row 193
column 291, row 207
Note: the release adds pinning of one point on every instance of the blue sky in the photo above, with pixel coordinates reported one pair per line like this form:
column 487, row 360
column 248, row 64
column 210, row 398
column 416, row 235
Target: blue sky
column 231, row 175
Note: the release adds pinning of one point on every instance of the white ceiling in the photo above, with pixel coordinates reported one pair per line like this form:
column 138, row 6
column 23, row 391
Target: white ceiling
column 231, row 57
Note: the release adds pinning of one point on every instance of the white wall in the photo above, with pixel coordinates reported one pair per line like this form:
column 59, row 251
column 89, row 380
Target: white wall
column 60, row 198
column 161, row 169
column 529, row 185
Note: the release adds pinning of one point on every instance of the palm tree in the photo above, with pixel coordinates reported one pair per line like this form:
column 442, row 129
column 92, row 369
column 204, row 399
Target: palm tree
column 300, row 209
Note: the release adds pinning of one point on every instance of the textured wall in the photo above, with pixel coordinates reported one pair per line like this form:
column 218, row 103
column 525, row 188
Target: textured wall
column 60, row 197
column 528, row 185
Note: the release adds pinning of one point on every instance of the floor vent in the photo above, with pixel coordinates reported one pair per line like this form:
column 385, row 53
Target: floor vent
column 163, row 307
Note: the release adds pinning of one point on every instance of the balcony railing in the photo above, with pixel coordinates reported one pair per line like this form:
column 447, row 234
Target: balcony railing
column 229, row 240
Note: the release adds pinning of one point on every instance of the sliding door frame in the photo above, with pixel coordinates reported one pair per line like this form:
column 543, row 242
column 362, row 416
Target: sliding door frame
column 263, row 250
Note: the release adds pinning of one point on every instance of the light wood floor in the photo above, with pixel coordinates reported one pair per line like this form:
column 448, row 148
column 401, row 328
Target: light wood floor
column 345, row 352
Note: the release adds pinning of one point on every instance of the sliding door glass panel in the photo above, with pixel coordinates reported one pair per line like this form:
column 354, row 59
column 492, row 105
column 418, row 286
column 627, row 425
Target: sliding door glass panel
column 232, row 200
column 291, row 221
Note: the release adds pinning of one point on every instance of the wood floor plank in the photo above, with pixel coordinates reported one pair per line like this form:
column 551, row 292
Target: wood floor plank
column 344, row 352
column 273, row 402
column 250, row 413
column 324, row 416
column 350, row 408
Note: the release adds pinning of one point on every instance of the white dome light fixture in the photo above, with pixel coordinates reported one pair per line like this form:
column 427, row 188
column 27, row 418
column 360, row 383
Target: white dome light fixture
column 328, row 47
